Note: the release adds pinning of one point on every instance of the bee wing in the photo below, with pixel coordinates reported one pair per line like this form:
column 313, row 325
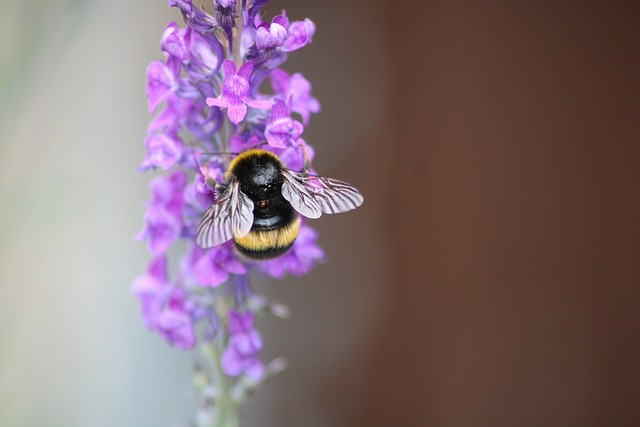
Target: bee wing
column 335, row 196
column 312, row 196
column 230, row 215
column 299, row 193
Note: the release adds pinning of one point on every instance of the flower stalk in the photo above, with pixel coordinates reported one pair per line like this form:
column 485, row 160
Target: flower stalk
column 237, row 35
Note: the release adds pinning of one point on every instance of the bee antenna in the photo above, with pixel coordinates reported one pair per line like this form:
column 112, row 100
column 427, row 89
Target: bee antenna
column 215, row 153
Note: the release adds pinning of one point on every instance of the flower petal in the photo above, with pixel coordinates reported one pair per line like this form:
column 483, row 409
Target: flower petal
column 218, row 102
column 245, row 70
column 261, row 104
column 229, row 68
column 236, row 113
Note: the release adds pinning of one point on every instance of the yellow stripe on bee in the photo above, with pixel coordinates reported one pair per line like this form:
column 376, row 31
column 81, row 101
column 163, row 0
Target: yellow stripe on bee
column 266, row 240
column 245, row 154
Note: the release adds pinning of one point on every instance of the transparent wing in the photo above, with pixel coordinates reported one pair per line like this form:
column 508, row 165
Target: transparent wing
column 297, row 192
column 312, row 196
column 230, row 215
column 336, row 196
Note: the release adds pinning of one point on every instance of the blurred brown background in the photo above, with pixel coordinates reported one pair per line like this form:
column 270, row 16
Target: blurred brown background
column 516, row 296
column 492, row 277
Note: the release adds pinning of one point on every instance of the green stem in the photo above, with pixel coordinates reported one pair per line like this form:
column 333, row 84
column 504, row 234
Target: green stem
column 237, row 35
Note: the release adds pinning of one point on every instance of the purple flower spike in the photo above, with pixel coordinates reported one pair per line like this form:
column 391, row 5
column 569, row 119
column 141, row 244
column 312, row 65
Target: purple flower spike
column 241, row 353
column 202, row 82
column 235, row 92
column 300, row 34
column 281, row 130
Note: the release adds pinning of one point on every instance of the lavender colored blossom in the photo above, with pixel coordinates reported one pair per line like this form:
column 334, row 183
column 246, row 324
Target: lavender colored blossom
column 176, row 41
column 273, row 35
column 174, row 322
column 235, row 92
column 282, row 131
column 150, row 288
column 173, row 116
column 162, row 82
column 163, row 151
column 195, row 18
column 300, row 34
column 226, row 14
column 164, row 215
column 296, row 88
column 245, row 344
column 212, row 267
column 163, row 305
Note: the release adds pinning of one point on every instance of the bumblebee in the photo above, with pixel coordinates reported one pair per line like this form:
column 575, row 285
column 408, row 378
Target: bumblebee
column 259, row 204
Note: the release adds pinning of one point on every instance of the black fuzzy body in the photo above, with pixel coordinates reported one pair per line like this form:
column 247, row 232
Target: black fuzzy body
column 259, row 173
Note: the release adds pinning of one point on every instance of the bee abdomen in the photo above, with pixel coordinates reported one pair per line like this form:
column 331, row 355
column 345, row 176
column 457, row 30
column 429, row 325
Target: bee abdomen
column 267, row 244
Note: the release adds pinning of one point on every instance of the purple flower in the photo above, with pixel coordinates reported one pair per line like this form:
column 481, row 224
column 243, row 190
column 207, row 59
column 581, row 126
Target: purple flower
column 203, row 61
column 176, row 42
column 194, row 17
column 164, row 215
column 270, row 36
column 300, row 34
column 296, row 88
column 235, row 92
column 300, row 259
column 173, row 116
column 202, row 195
column 163, row 305
column 256, row 6
column 212, row 267
column 161, row 82
column 151, row 288
column 226, row 13
column 203, row 24
column 281, row 130
column 238, row 145
column 293, row 157
column 241, row 353
column 174, row 323
column 163, row 151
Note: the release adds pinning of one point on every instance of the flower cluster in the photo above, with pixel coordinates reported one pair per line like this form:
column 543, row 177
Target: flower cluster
column 206, row 99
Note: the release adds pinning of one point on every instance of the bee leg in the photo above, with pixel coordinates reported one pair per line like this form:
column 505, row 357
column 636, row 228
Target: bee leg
column 210, row 181
column 307, row 161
